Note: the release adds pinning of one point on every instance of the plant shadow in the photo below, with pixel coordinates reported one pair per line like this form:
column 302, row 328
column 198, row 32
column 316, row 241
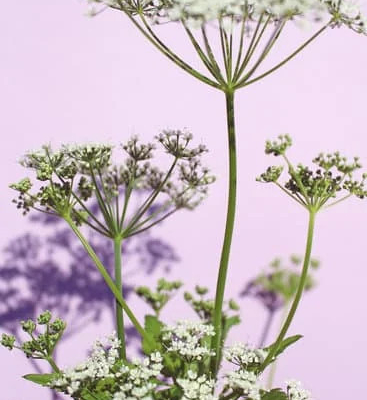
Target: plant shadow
column 50, row 270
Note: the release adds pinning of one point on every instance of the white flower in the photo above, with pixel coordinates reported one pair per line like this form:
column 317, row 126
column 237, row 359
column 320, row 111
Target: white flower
column 197, row 387
column 245, row 381
column 134, row 382
column 195, row 13
column 296, row 392
column 185, row 338
column 242, row 354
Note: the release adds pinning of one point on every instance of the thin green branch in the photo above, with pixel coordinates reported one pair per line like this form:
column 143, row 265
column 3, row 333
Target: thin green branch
column 256, row 37
column 271, row 70
column 142, row 210
column 335, row 202
column 297, row 298
column 240, row 47
column 154, row 39
column 127, row 194
column 119, row 312
column 101, row 203
column 110, row 283
column 295, row 176
column 152, row 216
column 206, row 61
column 132, row 233
column 226, row 51
column 106, row 196
column 211, row 55
column 90, row 214
column 301, row 202
column 274, row 37
column 92, row 226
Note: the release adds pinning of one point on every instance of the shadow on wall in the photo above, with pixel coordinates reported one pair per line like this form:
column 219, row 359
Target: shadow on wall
column 52, row 271
column 271, row 301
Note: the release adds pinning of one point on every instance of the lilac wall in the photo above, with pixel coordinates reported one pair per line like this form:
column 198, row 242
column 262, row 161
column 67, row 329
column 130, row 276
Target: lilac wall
column 65, row 77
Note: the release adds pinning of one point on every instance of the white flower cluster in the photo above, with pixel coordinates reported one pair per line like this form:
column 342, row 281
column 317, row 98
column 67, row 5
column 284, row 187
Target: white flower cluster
column 185, row 338
column 97, row 366
column 242, row 355
column 296, row 392
column 197, row 12
column 245, row 382
column 133, row 382
column 347, row 13
column 197, row 387
column 210, row 10
column 136, row 382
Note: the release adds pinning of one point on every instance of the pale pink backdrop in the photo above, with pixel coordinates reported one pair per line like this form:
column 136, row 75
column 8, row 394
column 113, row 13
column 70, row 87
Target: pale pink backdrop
column 66, row 77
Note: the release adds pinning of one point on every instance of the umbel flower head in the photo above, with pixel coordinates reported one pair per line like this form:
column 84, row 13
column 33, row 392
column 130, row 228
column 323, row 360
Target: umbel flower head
column 72, row 177
column 175, row 372
column 246, row 30
column 332, row 180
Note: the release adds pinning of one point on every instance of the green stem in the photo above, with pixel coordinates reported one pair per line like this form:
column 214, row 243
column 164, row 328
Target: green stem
column 53, row 364
column 273, row 368
column 119, row 312
column 110, row 283
column 231, row 209
column 297, row 298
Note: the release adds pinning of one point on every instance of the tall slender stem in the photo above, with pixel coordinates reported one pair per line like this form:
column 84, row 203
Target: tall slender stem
column 231, row 209
column 110, row 283
column 119, row 312
column 273, row 367
column 297, row 298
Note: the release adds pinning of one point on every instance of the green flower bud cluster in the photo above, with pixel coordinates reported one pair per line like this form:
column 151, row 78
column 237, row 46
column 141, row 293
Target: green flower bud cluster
column 44, row 335
column 283, row 280
column 23, row 186
column 331, row 182
column 159, row 297
column 271, row 174
column 278, row 147
column 204, row 308
column 74, row 176
column 8, row 341
column 90, row 156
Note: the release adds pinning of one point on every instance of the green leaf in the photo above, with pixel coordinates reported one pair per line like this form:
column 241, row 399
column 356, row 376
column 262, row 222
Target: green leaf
column 274, row 394
column 89, row 395
column 172, row 365
column 173, row 393
column 153, row 327
column 284, row 344
column 41, row 379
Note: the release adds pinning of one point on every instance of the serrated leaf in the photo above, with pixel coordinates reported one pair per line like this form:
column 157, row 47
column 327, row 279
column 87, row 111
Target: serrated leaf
column 274, row 394
column 153, row 327
column 41, row 379
column 284, row 344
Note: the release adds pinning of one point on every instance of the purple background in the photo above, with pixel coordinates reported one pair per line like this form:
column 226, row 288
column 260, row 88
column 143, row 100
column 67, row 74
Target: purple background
column 65, row 77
